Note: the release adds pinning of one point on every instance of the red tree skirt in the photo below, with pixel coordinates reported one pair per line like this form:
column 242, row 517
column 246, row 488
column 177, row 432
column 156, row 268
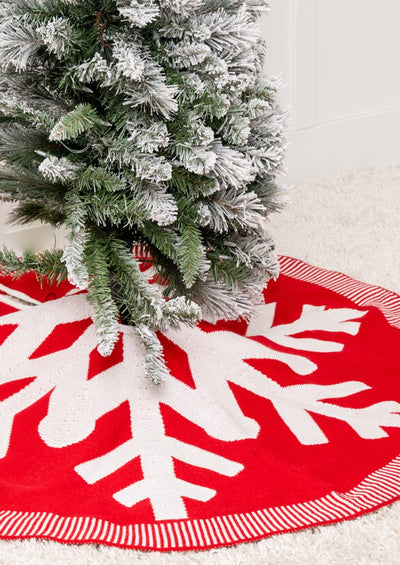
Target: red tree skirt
column 290, row 421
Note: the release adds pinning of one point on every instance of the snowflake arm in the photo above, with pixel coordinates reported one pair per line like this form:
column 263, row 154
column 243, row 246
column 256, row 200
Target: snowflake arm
column 368, row 422
column 312, row 318
column 26, row 341
column 99, row 468
column 76, row 404
column 293, row 403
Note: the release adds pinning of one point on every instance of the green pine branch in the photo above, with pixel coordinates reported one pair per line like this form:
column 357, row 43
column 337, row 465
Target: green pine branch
column 190, row 184
column 26, row 184
column 82, row 119
column 272, row 196
column 106, row 315
column 190, row 252
column 47, row 264
column 98, row 178
column 27, row 212
column 226, row 270
column 163, row 239
column 19, row 145
column 117, row 209
column 143, row 302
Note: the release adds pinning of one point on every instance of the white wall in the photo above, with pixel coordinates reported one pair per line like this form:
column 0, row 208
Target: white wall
column 339, row 61
column 33, row 237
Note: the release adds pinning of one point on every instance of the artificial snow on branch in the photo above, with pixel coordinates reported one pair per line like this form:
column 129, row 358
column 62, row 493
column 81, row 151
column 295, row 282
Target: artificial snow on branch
column 143, row 125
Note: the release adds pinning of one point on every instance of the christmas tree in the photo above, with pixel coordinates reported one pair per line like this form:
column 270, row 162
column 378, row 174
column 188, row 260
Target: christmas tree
column 147, row 129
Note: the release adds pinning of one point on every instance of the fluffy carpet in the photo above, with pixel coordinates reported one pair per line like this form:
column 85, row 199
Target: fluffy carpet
column 347, row 223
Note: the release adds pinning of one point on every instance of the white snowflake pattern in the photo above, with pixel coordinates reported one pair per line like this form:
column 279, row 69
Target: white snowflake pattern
column 76, row 403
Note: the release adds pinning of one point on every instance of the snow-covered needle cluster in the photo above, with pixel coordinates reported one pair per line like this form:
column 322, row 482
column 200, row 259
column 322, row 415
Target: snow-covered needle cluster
column 146, row 128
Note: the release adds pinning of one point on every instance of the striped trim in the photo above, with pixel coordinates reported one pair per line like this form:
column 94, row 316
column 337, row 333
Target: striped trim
column 383, row 485
column 360, row 293
column 377, row 489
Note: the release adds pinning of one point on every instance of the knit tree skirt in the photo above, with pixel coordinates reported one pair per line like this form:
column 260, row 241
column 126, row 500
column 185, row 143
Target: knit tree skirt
column 288, row 421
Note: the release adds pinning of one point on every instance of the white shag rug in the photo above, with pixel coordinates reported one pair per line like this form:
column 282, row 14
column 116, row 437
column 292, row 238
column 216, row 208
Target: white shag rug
column 348, row 223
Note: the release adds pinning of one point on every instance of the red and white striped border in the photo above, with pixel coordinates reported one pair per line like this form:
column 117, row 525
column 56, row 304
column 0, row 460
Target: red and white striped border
column 377, row 489
column 360, row 293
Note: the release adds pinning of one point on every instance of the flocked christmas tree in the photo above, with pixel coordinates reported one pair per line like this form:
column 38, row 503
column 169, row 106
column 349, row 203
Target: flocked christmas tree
column 147, row 129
